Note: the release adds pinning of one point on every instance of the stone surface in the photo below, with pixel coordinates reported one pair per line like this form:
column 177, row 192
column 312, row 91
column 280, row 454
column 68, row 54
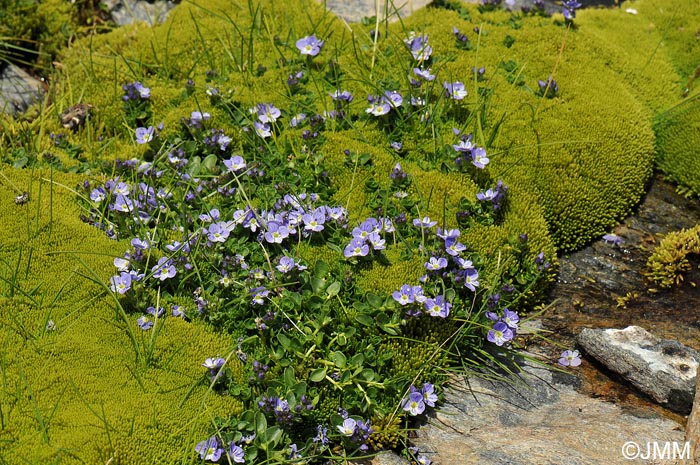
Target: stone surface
column 125, row 12
column 539, row 419
column 18, row 89
column 388, row 458
column 661, row 368
column 355, row 10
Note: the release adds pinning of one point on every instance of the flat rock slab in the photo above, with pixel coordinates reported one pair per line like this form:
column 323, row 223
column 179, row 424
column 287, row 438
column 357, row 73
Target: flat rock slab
column 538, row 419
column 661, row 368
column 18, row 90
column 125, row 12
column 354, row 11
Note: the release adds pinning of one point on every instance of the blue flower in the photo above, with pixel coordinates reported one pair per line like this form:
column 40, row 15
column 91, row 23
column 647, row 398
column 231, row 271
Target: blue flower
column 348, row 427
column 499, row 334
column 309, row 45
column 144, row 323
column 209, row 449
column 612, row 238
column 570, row 358
column 455, row 90
column 404, row 296
column 144, row 135
column 235, row 453
column 414, row 404
column 424, row 74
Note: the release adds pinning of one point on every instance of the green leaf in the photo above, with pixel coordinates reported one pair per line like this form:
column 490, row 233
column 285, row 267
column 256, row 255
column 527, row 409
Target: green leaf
column 318, row 375
column 364, row 319
column 368, row 374
column 289, row 379
column 333, row 289
column 209, row 163
column 339, row 359
column 260, row 423
column 374, row 300
column 321, row 269
column 357, row 360
column 284, row 340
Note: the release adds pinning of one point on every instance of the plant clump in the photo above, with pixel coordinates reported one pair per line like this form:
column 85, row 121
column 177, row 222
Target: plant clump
column 673, row 257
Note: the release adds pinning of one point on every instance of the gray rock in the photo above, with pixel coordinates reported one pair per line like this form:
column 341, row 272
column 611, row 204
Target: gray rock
column 537, row 418
column 125, row 12
column 18, row 89
column 388, row 458
column 661, row 368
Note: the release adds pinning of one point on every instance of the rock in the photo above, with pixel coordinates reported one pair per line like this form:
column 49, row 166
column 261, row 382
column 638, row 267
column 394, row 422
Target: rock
column 18, row 89
column 388, row 458
column 536, row 419
column 661, row 368
column 354, row 11
column 125, row 12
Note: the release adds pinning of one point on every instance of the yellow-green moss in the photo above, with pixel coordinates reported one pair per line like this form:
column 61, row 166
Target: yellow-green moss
column 76, row 394
column 669, row 261
column 678, row 144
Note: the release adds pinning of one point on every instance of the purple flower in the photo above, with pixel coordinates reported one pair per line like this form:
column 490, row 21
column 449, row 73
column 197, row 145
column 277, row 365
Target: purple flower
column 122, row 203
column 379, row 107
column 435, row 263
column 569, row 8
column 454, row 90
column 404, row 296
column 549, row 87
column 259, row 294
column 511, row 319
column 348, row 427
column 454, row 248
column 121, row 283
column 414, row 404
column 218, row 232
column 314, row 221
column 438, row 307
column 429, row 396
column 393, row 98
column 209, row 449
column 570, row 358
column 268, row 113
column 376, row 241
column 164, row 269
column 321, row 435
column 357, row 248
column 424, row 223
column 236, row 454
column 344, row 96
column 214, row 363
column 613, row 239
column 396, row 146
column 294, row 78
column 419, row 47
column 486, row 195
column 309, row 45
column 471, row 279
column 297, row 120
column 424, row 74
column 262, row 129
column 479, row 158
column 197, row 117
column 500, row 334
column 144, row 323
column 276, row 232
column 235, row 164
column 134, row 91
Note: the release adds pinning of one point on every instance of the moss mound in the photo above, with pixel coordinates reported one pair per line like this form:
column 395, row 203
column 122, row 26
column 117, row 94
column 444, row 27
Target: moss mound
column 76, row 393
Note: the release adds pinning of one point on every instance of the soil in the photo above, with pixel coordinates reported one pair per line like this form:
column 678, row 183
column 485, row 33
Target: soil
column 604, row 286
